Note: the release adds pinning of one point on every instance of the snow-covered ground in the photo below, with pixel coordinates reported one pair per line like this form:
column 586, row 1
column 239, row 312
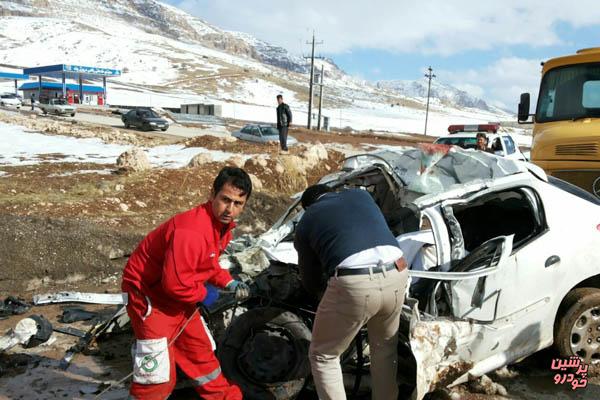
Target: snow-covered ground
column 21, row 147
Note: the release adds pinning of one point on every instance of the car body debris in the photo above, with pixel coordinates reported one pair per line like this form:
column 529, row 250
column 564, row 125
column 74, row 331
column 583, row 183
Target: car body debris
column 13, row 306
column 79, row 297
column 29, row 332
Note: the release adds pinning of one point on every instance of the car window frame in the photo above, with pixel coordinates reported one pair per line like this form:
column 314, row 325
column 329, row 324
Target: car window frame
column 507, row 146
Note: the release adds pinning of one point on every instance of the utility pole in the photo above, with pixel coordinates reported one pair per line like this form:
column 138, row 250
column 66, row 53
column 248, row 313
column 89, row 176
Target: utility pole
column 312, row 71
column 320, row 99
column 429, row 75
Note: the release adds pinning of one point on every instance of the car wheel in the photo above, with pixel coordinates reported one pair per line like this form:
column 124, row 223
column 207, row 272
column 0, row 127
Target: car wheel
column 265, row 351
column 146, row 127
column 72, row 115
column 163, row 129
column 45, row 112
column 577, row 327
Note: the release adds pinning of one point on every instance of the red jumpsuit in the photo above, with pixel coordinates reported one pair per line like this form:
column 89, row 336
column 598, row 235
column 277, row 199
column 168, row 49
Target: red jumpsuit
column 164, row 279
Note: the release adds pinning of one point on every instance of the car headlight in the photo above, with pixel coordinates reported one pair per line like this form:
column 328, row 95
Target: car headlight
column 152, row 123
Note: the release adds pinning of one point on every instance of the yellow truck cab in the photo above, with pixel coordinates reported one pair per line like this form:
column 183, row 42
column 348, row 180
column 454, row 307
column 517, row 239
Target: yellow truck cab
column 566, row 131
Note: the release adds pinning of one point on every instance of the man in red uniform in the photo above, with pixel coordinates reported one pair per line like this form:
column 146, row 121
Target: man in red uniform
column 173, row 269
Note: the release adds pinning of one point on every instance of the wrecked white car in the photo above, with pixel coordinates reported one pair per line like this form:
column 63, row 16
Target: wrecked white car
column 504, row 262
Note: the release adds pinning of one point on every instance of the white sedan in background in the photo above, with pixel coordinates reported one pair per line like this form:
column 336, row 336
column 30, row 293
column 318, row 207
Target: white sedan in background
column 10, row 100
column 261, row 134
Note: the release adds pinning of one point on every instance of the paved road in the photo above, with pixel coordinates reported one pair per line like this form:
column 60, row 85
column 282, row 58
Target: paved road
column 115, row 122
column 174, row 129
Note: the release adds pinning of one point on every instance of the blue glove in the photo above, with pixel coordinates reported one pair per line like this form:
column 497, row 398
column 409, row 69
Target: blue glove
column 212, row 294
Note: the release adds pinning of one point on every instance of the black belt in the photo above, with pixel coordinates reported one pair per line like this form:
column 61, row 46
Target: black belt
column 364, row 271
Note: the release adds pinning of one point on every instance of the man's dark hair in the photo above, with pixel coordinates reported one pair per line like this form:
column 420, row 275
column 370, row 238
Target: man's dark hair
column 312, row 193
column 236, row 177
column 280, row 96
column 481, row 134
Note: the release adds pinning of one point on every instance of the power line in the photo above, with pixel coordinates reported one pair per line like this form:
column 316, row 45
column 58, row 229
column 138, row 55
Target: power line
column 312, row 71
column 429, row 75
column 320, row 97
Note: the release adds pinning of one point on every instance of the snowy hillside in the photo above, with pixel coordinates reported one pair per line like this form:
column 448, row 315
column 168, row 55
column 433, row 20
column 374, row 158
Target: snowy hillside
column 169, row 57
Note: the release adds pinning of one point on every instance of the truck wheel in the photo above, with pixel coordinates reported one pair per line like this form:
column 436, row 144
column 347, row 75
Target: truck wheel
column 265, row 351
column 577, row 327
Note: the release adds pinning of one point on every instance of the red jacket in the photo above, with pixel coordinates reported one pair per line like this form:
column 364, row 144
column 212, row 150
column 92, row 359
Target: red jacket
column 173, row 262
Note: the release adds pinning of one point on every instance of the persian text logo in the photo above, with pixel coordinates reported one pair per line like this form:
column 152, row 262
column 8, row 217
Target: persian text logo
column 577, row 379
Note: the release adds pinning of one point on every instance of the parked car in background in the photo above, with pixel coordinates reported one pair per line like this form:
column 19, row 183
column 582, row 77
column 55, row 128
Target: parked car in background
column 57, row 106
column 465, row 136
column 261, row 134
column 10, row 100
column 145, row 119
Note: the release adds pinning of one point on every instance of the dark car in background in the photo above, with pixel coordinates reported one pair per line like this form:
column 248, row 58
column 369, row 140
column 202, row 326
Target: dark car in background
column 145, row 119
column 261, row 134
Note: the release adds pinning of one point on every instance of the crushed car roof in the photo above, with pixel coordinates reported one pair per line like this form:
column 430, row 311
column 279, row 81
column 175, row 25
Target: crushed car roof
column 433, row 169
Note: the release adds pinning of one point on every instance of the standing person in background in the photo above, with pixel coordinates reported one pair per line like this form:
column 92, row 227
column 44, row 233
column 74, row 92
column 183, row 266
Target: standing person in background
column 32, row 101
column 284, row 120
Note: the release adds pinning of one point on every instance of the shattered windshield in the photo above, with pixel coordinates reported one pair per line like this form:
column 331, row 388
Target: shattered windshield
column 432, row 169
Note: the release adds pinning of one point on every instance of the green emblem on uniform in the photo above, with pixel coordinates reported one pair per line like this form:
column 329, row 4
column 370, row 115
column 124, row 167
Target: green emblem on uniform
column 149, row 363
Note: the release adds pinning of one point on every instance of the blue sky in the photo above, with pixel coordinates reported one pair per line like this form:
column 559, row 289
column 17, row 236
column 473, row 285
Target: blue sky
column 491, row 49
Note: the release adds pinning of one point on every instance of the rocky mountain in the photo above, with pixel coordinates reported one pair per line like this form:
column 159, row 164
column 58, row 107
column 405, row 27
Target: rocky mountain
column 446, row 94
column 155, row 17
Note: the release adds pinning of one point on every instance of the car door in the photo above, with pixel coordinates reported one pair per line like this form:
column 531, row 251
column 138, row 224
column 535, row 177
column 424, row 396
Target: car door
column 132, row 118
column 245, row 133
column 519, row 300
column 255, row 135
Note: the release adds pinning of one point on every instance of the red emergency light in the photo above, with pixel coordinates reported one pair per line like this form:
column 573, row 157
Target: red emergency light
column 489, row 128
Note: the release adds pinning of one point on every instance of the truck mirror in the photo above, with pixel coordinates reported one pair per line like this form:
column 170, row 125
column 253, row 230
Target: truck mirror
column 523, row 114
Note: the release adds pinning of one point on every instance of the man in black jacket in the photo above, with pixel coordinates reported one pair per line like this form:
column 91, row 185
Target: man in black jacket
column 343, row 239
column 284, row 120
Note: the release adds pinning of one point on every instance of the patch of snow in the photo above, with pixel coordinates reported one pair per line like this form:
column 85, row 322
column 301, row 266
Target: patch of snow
column 21, row 147
column 83, row 171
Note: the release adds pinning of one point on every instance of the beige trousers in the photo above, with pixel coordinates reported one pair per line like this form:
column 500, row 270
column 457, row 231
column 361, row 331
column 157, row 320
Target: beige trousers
column 349, row 303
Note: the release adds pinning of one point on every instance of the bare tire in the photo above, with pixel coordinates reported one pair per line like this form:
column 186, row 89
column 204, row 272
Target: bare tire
column 577, row 327
column 265, row 351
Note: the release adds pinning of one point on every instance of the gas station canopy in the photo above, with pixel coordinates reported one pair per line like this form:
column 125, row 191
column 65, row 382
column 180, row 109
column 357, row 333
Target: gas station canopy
column 72, row 71
column 77, row 72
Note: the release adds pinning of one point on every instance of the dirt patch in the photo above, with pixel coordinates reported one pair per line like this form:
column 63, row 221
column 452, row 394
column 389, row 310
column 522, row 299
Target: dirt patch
column 37, row 251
